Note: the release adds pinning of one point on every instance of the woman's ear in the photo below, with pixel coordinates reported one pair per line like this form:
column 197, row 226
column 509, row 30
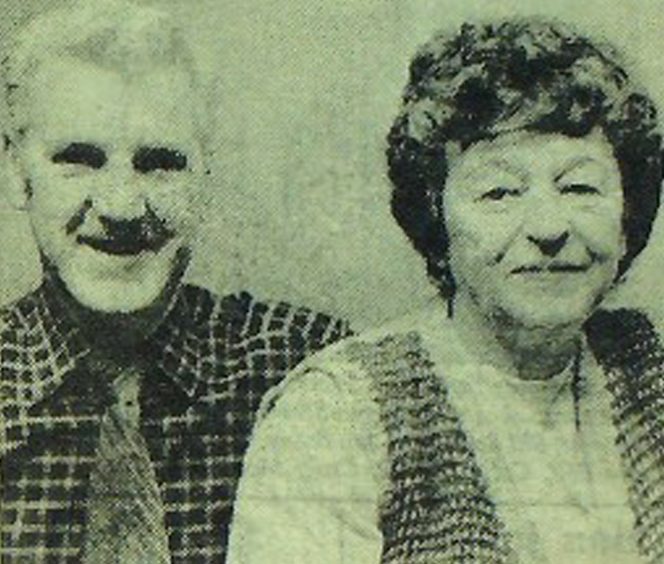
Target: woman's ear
column 15, row 181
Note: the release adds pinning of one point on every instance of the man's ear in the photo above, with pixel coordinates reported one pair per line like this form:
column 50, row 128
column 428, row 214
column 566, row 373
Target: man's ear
column 16, row 183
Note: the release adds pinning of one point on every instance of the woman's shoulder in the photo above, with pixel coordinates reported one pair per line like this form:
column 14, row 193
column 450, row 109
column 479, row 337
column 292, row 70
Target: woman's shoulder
column 345, row 370
column 325, row 413
column 396, row 337
column 623, row 337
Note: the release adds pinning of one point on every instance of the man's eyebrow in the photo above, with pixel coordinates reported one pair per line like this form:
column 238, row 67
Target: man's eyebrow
column 81, row 153
column 147, row 159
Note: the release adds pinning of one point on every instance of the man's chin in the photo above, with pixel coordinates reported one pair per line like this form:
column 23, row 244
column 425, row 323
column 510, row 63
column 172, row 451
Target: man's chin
column 125, row 288
column 125, row 294
column 117, row 296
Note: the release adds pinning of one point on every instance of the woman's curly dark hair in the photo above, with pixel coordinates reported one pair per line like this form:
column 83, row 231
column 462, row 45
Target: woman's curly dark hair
column 518, row 74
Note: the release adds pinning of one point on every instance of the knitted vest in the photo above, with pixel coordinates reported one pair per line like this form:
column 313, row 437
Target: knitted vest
column 438, row 508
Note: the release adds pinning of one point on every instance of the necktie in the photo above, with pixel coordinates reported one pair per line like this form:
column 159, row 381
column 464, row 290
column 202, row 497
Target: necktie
column 125, row 512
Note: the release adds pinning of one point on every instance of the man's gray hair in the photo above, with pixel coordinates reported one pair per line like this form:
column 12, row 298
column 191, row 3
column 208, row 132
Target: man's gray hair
column 116, row 34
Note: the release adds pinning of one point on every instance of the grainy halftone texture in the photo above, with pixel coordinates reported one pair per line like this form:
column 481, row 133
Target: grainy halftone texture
column 206, row 370
column 438, row 508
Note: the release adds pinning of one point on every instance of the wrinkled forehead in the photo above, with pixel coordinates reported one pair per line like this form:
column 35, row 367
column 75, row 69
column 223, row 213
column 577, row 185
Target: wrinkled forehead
column 70, row 97
column 531, row 149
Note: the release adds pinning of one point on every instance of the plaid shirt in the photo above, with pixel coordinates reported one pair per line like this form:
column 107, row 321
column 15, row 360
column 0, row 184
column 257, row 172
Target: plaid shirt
column 210, row 362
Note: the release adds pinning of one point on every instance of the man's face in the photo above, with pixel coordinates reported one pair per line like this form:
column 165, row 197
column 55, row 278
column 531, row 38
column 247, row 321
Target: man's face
column 111, row 166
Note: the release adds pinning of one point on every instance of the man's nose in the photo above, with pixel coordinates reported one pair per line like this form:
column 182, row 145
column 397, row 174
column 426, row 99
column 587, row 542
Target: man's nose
column 118, row 199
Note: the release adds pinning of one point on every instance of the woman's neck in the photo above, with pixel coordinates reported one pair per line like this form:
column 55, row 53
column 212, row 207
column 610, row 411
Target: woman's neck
column 529, row 353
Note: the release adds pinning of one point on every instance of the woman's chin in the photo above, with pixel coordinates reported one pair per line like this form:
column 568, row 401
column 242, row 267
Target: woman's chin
column 548, row 316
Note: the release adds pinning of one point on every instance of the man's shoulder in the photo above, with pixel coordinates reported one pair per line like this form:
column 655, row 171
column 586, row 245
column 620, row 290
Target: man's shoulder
column 242, row 317
column 21, row 314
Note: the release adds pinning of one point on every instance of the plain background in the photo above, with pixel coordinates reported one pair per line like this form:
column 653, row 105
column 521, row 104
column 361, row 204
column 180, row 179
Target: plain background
column 301, row 94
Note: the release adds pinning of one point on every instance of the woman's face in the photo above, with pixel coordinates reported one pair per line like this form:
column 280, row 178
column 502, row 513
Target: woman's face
column 535, row 225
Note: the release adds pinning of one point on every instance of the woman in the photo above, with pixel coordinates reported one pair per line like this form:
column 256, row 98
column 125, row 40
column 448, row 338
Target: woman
column 514, row 420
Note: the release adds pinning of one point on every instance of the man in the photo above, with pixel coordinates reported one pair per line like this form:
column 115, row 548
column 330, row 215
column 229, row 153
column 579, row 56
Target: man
column 127, row 396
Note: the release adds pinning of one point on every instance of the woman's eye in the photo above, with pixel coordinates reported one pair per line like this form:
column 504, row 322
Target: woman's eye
column 499, row 193
column 579, row 188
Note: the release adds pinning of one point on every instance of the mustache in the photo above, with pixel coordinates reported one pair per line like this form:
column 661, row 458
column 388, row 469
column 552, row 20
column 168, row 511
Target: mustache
column 124, row 236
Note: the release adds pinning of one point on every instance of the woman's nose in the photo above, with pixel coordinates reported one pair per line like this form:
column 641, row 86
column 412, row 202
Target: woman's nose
column 550, row 246
column 547, row 223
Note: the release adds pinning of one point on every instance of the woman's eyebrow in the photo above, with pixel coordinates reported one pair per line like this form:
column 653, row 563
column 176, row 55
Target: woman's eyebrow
column 504, row 164
column 576, row 162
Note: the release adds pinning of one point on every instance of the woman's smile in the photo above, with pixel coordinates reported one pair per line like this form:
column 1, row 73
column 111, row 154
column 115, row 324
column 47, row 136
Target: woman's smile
column 551, row 268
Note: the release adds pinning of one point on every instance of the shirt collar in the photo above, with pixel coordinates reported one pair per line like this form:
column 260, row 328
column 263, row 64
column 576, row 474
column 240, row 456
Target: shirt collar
column 47, row 345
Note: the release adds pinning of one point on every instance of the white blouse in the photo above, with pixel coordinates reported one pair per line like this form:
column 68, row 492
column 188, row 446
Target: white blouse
column 318, row 464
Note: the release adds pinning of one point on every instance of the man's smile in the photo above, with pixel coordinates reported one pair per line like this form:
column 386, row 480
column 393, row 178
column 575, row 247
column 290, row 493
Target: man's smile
column 126, row 237
column 124, row 246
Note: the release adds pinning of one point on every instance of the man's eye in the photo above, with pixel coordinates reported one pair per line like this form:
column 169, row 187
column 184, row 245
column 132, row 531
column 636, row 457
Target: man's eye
column 148, row 159
column 499, row 193
column 579, row 188
column 84, row 154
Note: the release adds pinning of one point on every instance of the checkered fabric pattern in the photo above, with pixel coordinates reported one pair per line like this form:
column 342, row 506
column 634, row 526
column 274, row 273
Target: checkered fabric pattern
column 205, row 371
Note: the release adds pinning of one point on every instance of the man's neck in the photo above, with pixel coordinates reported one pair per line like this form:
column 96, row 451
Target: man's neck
column 111, row 337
